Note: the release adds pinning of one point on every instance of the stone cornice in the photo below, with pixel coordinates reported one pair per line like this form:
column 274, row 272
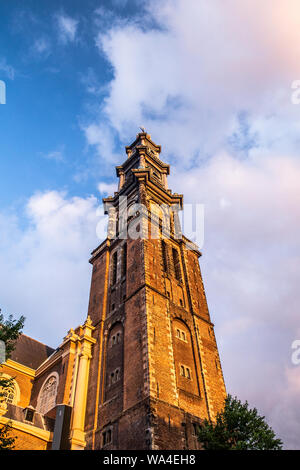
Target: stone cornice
column 99, row 250
column 28, row 429
column 20, row 368
column 50, row 362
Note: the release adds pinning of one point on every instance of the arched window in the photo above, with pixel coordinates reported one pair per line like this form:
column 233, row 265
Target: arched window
column 47, row 396
column 9, row 394
column 114, row 361
column 186, row 371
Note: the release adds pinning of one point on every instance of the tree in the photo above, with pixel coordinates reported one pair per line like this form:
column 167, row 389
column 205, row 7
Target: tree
column 238, row 428
column 10, row 330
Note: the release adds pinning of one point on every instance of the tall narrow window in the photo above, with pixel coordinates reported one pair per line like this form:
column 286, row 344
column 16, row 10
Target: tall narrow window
column 164, row 256
column 114, row 268
column 160, row 226
column 124, row 260
column 106, row 437
column 176, row 263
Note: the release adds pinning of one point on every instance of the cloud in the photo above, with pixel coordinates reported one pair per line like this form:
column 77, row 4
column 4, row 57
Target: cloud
column 41, row 47
column 56, row 155
column 101, row 136
column 67, row 28
column 91, row 82
column 107, row 188
column 189, row 78
column 7, row 69
column 250, row 262
column 47, row 274
column 211, row 81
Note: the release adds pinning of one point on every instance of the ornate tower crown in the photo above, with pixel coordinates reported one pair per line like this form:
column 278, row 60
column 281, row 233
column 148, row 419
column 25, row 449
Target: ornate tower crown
column 143, row 156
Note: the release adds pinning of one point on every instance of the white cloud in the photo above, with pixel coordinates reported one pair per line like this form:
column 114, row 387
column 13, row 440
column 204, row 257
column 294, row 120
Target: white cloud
column 56, row 155
column 189, row 78
column 47, row 274
column 211, row 81
column 250, row 262
column 212, row 84
column 41, row 47
column 102, row 137
column 107, row 188
column 67, row 28
column 7, row 69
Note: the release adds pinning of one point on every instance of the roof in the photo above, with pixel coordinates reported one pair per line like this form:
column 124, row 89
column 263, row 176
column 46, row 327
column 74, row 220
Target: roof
column 29, row 352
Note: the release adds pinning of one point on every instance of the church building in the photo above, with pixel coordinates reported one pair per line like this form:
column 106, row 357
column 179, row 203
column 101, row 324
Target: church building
column 143, row 370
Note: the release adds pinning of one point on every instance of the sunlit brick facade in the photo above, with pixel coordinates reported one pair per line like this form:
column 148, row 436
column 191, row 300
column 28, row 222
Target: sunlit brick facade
column 143, row 370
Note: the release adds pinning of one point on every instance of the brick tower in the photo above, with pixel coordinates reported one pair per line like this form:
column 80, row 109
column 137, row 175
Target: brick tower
column 154, row 370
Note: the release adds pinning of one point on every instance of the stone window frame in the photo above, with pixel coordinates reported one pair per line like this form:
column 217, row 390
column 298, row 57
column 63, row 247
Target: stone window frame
column 195, row 428
column 182, row 335
column 107, row 436
column 16, row 394
column 114, row 376
column 116, row 338
column 185, row 371
column 52, row 399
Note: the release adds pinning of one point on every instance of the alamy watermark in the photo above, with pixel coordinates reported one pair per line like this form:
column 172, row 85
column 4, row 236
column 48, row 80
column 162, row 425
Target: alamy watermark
column 2, row 92
column 296, row 353
column 132, row 219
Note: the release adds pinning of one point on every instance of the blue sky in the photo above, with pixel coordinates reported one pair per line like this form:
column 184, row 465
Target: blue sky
column 47, row 98
column 212, row 83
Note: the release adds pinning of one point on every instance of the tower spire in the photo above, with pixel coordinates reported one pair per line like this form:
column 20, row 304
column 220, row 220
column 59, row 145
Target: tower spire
column 155, row 369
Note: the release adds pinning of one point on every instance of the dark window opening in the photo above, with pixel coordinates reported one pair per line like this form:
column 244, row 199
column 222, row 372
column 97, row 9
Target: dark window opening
column 106, row 437
column 185, row 372
column 195, row 429
column 180, row 334
column 124, row 260
column 29, row 414
column 115, row 376
column 160, row 225
column 164, row 256
column 176, row 263
column 114, row 268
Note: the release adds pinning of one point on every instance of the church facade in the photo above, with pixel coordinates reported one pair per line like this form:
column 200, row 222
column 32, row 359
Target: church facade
column 143, row 370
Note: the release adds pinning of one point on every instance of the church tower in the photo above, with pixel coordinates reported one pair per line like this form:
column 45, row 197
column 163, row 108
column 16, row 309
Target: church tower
column 154, row 371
